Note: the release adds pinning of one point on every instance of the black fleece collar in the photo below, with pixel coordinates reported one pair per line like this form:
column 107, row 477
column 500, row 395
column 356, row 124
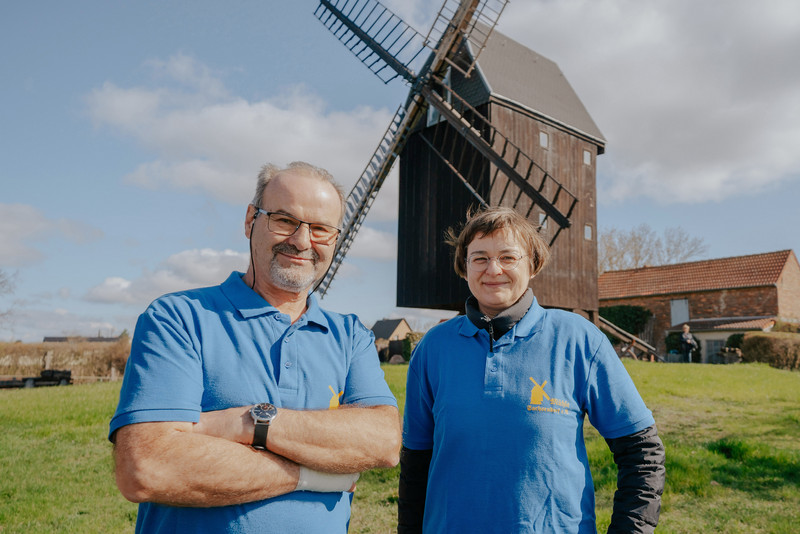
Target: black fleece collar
column 503, row 321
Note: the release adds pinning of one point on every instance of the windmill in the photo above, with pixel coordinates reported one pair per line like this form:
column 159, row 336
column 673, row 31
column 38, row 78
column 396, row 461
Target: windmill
column 439, row 121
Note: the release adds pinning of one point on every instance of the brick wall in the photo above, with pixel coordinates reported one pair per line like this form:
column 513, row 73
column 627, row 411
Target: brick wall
column 705, row 305
column 789, row 291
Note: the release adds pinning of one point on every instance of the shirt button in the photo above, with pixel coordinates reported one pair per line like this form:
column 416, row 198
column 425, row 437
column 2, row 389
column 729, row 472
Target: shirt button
column 288, row 364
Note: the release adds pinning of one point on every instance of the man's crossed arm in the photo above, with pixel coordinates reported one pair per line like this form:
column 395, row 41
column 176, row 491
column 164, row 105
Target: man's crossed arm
column 211, row 463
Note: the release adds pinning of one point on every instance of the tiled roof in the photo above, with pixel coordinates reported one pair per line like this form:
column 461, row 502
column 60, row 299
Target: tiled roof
column 384, row 328
column 755, row 270
column 727, row 323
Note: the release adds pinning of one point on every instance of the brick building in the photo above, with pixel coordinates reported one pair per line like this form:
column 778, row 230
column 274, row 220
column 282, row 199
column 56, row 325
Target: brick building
column 716, row 298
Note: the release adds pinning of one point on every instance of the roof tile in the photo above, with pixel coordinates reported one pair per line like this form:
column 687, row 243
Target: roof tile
column 725, row 273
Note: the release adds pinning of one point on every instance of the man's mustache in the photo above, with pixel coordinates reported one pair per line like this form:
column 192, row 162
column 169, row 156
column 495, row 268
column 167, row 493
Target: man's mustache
column 288, row 248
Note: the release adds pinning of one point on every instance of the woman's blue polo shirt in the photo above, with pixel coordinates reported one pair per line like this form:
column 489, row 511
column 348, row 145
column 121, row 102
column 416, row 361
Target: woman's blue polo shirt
column 506, row 424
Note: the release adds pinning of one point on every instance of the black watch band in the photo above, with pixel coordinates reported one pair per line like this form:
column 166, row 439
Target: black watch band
column 262, row 414
column 260, row 436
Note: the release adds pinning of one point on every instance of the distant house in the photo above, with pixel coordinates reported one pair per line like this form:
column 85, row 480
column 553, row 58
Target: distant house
column 391, row 329
column 716, row 298
column 389, row 336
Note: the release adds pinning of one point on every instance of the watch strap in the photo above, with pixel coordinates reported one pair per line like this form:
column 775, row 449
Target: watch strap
column 260, row 436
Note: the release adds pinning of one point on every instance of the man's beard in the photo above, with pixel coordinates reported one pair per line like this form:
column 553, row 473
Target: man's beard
column 293, row 278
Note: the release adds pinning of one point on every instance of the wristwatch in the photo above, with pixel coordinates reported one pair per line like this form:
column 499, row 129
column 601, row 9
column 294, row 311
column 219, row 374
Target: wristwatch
column 263, row 414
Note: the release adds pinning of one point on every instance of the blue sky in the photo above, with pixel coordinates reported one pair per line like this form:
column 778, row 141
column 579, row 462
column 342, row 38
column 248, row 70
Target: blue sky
column 132, row 133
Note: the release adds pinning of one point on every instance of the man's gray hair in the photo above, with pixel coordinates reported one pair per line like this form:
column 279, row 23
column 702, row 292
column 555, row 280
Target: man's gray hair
column 270, row 171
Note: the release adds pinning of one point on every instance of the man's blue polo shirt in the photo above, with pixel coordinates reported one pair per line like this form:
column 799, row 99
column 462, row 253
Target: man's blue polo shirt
column 506, row 424
column 224, row 346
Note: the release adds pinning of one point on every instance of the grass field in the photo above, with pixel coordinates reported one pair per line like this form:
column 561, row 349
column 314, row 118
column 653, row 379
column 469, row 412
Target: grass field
column 732, row 435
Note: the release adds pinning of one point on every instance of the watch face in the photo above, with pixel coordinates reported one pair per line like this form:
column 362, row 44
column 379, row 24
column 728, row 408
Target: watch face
column 264, row 412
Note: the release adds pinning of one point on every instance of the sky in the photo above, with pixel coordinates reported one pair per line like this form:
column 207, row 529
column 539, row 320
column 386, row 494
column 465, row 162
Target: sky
column 131, row 134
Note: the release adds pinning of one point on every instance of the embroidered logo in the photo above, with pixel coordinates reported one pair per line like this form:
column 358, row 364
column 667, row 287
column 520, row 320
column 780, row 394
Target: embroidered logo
column 538, row 395
column 334, row 403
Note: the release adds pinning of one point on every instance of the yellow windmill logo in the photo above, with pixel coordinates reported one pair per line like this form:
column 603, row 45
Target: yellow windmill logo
column 538, row 393
column 335, row 399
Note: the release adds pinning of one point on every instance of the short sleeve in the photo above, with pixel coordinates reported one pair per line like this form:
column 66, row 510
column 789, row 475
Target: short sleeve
column 366, row 384
column 163, row 376
column 614, row 406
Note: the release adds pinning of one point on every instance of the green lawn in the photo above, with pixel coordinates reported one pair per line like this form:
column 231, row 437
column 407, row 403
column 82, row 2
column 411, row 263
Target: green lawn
column 732, row 435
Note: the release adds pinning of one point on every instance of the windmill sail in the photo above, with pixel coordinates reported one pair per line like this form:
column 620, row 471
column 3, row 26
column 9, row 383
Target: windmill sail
column 363, row 194
column 390, row 48
column 530, row 179
column 380, row 39
column 472, row 19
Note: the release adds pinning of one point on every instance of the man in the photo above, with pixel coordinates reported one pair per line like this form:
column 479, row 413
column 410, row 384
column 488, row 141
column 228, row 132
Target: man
column 206, row 365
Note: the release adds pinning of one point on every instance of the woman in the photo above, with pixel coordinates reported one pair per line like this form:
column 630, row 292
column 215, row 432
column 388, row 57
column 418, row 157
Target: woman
column 496, row 399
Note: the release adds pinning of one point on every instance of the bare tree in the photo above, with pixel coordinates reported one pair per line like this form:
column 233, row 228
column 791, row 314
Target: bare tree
column 6, row 287
column 641, row 246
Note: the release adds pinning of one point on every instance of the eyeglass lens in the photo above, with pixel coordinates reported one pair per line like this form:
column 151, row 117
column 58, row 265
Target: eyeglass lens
column 283, row 224
column 481, row 263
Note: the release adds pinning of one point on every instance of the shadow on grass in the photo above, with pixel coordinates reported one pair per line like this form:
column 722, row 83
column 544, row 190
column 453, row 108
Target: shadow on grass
column 753, row 467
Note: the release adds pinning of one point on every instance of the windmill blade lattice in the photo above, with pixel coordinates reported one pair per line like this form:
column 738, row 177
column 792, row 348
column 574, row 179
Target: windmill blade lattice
column 531, row 181
column 477, row 19
column 380, row 39
column 363, row 194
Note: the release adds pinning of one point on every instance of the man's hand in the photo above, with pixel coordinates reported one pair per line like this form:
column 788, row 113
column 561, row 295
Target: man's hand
column 233, row 424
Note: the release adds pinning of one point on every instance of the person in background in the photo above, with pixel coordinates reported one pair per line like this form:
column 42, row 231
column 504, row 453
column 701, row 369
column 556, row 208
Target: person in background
column 496, row 401
column 688, row 344
column 227, row 419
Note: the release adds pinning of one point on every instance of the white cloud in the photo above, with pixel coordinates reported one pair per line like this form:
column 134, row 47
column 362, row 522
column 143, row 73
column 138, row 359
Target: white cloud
column 22, row 227
column 206, row 140
column 113, row 289
column 184, row 270
column 374, row 244
column 697, row 102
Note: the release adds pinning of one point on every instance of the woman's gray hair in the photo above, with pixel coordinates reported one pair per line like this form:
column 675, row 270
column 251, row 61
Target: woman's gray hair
column 488, row 221
column 270, row 171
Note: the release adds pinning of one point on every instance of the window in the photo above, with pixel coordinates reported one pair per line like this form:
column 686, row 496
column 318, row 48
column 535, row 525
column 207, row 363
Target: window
column 542, row 221
column 587, row 157
column 543, row 140
column 679, row 311
column 713, row 346
column 587, row 232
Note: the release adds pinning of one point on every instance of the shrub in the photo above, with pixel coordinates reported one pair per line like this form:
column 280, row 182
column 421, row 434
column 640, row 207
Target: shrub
column 778, row 349
column 734, row 341
column 410, row 341
column 781, row 326
column 632, row 319
column 83, row 358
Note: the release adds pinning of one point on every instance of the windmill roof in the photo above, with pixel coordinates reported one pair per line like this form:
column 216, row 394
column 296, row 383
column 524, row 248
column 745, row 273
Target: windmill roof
column 385, row 327
column 754, row 270
column 516, row 73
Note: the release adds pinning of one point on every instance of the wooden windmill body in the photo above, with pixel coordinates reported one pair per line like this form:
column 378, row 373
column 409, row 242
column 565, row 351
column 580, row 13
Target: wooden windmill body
column 486, row 122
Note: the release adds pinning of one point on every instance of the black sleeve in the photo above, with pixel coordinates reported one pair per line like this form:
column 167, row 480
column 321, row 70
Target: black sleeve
column 640, row 482
column 413, row 488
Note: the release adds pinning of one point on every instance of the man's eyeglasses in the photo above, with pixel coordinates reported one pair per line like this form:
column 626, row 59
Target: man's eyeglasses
column 479, row 263
column 283, row 224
